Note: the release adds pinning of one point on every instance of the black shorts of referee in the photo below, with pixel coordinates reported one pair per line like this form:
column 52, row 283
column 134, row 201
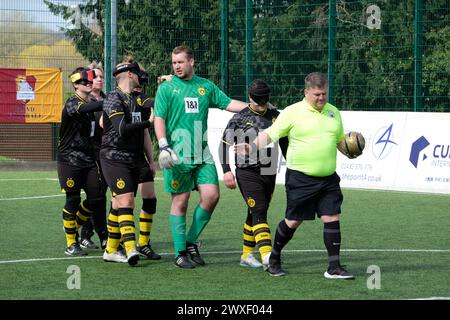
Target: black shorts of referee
column 121, row 177
column 308, row 196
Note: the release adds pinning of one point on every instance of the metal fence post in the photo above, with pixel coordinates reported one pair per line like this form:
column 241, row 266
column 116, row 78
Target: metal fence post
column 107, row 45
column 418, row 27
column 113, row 39
column 110, row 42
column 248, row 44
column 224, row 45
column 331, row 49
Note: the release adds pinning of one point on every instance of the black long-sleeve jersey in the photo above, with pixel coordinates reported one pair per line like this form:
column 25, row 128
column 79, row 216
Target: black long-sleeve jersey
column 98, row 131
column 245, row 127
column 124, row 121
column 76, row 132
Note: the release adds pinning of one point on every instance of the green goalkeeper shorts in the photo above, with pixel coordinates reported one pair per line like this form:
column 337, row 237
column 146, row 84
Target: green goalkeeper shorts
column 186, row 177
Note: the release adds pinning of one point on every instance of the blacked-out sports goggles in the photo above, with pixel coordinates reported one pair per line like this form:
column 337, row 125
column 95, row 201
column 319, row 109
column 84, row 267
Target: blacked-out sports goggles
column 84, row 77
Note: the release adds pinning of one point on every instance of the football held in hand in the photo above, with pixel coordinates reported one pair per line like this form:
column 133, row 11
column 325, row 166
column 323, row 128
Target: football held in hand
column 352, row 145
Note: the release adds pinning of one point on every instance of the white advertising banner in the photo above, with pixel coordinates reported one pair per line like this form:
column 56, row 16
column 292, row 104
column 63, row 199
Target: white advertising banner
column 377, row 167
column 425, row 159
column 405, row 151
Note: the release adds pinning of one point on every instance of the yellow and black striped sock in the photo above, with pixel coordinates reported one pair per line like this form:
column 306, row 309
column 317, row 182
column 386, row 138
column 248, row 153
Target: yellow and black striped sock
column 70, row 226
column 145, row 227
column 249, row 240
column 83, row 214
column 127, row 229
column 263, row 238
column 114, row 234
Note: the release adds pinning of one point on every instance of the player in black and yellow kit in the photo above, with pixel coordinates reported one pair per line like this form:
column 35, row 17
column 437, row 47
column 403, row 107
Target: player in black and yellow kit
column 122, row 157
column 97, row 221
column 146, row 177
column 255, row 173
column 76, row 164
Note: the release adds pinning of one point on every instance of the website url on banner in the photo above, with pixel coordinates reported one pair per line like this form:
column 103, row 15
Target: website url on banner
column 361, row 177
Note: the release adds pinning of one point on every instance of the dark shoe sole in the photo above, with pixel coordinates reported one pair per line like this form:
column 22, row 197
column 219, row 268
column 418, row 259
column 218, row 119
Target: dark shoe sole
column 83, row 254
column 199, row 262
column 133, row 260
column 158, row 257
column 337, row 277
column 185, row 267
column 278, row 274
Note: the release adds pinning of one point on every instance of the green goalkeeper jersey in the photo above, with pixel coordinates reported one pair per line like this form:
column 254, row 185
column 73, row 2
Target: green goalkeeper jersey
column 184, row 107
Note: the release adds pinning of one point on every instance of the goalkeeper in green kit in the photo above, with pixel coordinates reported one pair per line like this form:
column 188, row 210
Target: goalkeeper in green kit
column 181, row 114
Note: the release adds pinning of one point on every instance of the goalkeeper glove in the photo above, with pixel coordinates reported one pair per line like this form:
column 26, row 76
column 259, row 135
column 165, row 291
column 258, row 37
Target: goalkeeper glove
column 167, row 157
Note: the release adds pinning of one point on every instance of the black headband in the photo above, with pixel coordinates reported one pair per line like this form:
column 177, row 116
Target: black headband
column 133, row 67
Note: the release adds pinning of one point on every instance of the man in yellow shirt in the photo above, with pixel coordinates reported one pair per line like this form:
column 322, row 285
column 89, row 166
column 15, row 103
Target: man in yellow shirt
column 314, row 128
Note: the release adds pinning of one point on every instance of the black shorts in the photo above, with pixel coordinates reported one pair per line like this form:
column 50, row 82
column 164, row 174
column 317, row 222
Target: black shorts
column 73, row 178
column 308, row 196
column 145, row 174
column 120, row 177
column 256, row 189
column 102, row 177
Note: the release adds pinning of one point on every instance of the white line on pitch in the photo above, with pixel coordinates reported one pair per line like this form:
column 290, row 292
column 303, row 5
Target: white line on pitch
column 25, row 179
column 47, row 179
column 35, row 197
column 432, row 298
column 236, row 252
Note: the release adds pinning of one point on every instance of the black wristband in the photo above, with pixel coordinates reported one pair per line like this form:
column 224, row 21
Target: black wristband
column 226, row 168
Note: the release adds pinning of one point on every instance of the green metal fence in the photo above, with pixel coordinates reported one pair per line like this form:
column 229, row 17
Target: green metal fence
column 379, row 55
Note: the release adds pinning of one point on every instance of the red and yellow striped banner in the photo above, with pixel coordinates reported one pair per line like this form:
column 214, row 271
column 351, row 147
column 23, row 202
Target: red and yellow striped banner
column 31, row 95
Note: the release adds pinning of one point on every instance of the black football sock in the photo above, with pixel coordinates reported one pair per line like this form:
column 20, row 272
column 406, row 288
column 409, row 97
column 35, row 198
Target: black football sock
column 282, row 236
column 332, row 240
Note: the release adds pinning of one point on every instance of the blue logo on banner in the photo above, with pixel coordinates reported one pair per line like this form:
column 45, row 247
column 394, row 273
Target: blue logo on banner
column 385, row 140
column 416, row 148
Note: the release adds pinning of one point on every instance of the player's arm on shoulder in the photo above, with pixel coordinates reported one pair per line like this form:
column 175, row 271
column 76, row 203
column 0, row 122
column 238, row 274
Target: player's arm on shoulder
column 236, row 106
column 270, row 106
column 90, row 106
column 166, row 77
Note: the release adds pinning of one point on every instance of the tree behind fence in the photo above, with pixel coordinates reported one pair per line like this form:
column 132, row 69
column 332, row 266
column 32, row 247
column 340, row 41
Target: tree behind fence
column 372, row 57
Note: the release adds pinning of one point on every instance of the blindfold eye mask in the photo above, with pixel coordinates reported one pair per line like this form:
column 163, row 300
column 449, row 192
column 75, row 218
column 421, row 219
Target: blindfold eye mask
column 133, row 67
column 143, row 77
column 259, row 91
column 83, row 77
